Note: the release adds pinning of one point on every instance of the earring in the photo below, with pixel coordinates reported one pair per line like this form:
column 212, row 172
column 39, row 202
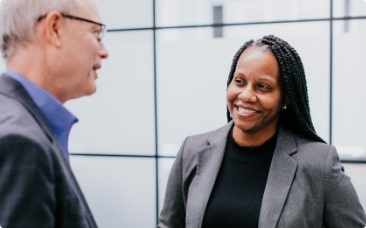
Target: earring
column 284, row 107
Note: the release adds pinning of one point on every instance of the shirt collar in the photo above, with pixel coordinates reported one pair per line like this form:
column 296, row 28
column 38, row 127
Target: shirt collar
column 59, row 118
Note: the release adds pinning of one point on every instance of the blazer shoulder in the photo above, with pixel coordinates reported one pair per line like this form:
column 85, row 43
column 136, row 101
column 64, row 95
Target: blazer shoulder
column 15, row 117
column 210, row 137
column 315, row 156
column 313, row 148
column 195, row 145
column 17, row 121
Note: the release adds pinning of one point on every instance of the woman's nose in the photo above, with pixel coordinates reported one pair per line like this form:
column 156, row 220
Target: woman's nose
column 248, row 94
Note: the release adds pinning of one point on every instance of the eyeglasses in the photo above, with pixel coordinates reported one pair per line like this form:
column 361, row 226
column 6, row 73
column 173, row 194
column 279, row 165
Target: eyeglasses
column 65, row 15
column 102, row 26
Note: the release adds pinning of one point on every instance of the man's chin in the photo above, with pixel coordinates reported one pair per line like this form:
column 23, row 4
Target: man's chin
column 91, row 92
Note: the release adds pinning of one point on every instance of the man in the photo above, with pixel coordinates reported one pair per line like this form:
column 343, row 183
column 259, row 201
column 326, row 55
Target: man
column 52, row 50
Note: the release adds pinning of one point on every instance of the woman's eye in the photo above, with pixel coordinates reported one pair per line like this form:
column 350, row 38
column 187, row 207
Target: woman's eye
column 238, row 80
column 263, row 87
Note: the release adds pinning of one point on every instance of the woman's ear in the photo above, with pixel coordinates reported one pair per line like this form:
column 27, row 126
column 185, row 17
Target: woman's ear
column 285, row 103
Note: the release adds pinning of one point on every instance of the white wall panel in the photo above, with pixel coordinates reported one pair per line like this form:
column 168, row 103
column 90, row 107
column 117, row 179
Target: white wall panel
column 119, row 117
column 120, row 191
column 126, row 13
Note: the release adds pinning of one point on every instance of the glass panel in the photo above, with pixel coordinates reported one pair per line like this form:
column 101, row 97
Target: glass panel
column 193, row 68
column 357, row 174
column 349, row 8
column 191, row 84
column 192, row 12
column 119, row 191
column 119, row 117
column 165, row 164
column 126, row 13
column 349, row 109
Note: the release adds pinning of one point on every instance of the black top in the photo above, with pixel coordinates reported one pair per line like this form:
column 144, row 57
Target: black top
column 237, row 195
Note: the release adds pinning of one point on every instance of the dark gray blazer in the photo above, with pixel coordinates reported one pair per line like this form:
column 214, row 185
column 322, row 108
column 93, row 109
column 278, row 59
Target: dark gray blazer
column 37, row 186
column 306, row 186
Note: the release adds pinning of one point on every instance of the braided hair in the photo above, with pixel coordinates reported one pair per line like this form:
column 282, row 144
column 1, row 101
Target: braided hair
column 293, row 85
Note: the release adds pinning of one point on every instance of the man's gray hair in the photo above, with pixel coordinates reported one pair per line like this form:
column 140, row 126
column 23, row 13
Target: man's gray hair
column 19, row 17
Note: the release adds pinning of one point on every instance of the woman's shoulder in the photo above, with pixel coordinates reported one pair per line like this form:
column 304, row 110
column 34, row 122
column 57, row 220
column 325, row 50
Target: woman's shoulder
column 311, row 147
column 210, row 136
column 305, row 151
column 314, row 155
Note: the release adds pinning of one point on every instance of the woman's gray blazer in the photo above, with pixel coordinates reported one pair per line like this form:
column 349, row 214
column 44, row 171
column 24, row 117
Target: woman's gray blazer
column 306, row 186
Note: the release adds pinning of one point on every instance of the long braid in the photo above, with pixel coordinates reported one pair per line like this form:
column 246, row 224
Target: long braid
column 293, row 84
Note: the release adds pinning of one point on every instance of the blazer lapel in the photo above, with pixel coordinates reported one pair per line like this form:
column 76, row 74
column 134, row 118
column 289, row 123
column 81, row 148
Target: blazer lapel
column 13, row 89
column 280, row 177
column 209, row 162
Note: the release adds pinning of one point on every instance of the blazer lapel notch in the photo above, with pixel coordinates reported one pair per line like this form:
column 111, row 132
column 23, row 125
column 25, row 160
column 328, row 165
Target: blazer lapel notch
column 282, row 172
column 208, row 167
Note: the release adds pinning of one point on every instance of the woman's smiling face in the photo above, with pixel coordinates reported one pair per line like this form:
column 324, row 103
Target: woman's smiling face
column 254, row 94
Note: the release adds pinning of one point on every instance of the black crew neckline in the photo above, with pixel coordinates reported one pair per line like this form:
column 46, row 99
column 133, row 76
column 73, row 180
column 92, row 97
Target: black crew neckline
column 247, row 154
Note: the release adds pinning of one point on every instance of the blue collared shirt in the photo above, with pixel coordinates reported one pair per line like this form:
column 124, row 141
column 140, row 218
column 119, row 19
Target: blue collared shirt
column 60, row 119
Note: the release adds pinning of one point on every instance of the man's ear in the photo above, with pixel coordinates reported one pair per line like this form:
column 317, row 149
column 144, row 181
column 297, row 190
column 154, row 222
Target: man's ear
column 53, row 27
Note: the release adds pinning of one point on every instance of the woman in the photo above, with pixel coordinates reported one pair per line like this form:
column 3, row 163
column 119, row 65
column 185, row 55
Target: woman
column 267, row 167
